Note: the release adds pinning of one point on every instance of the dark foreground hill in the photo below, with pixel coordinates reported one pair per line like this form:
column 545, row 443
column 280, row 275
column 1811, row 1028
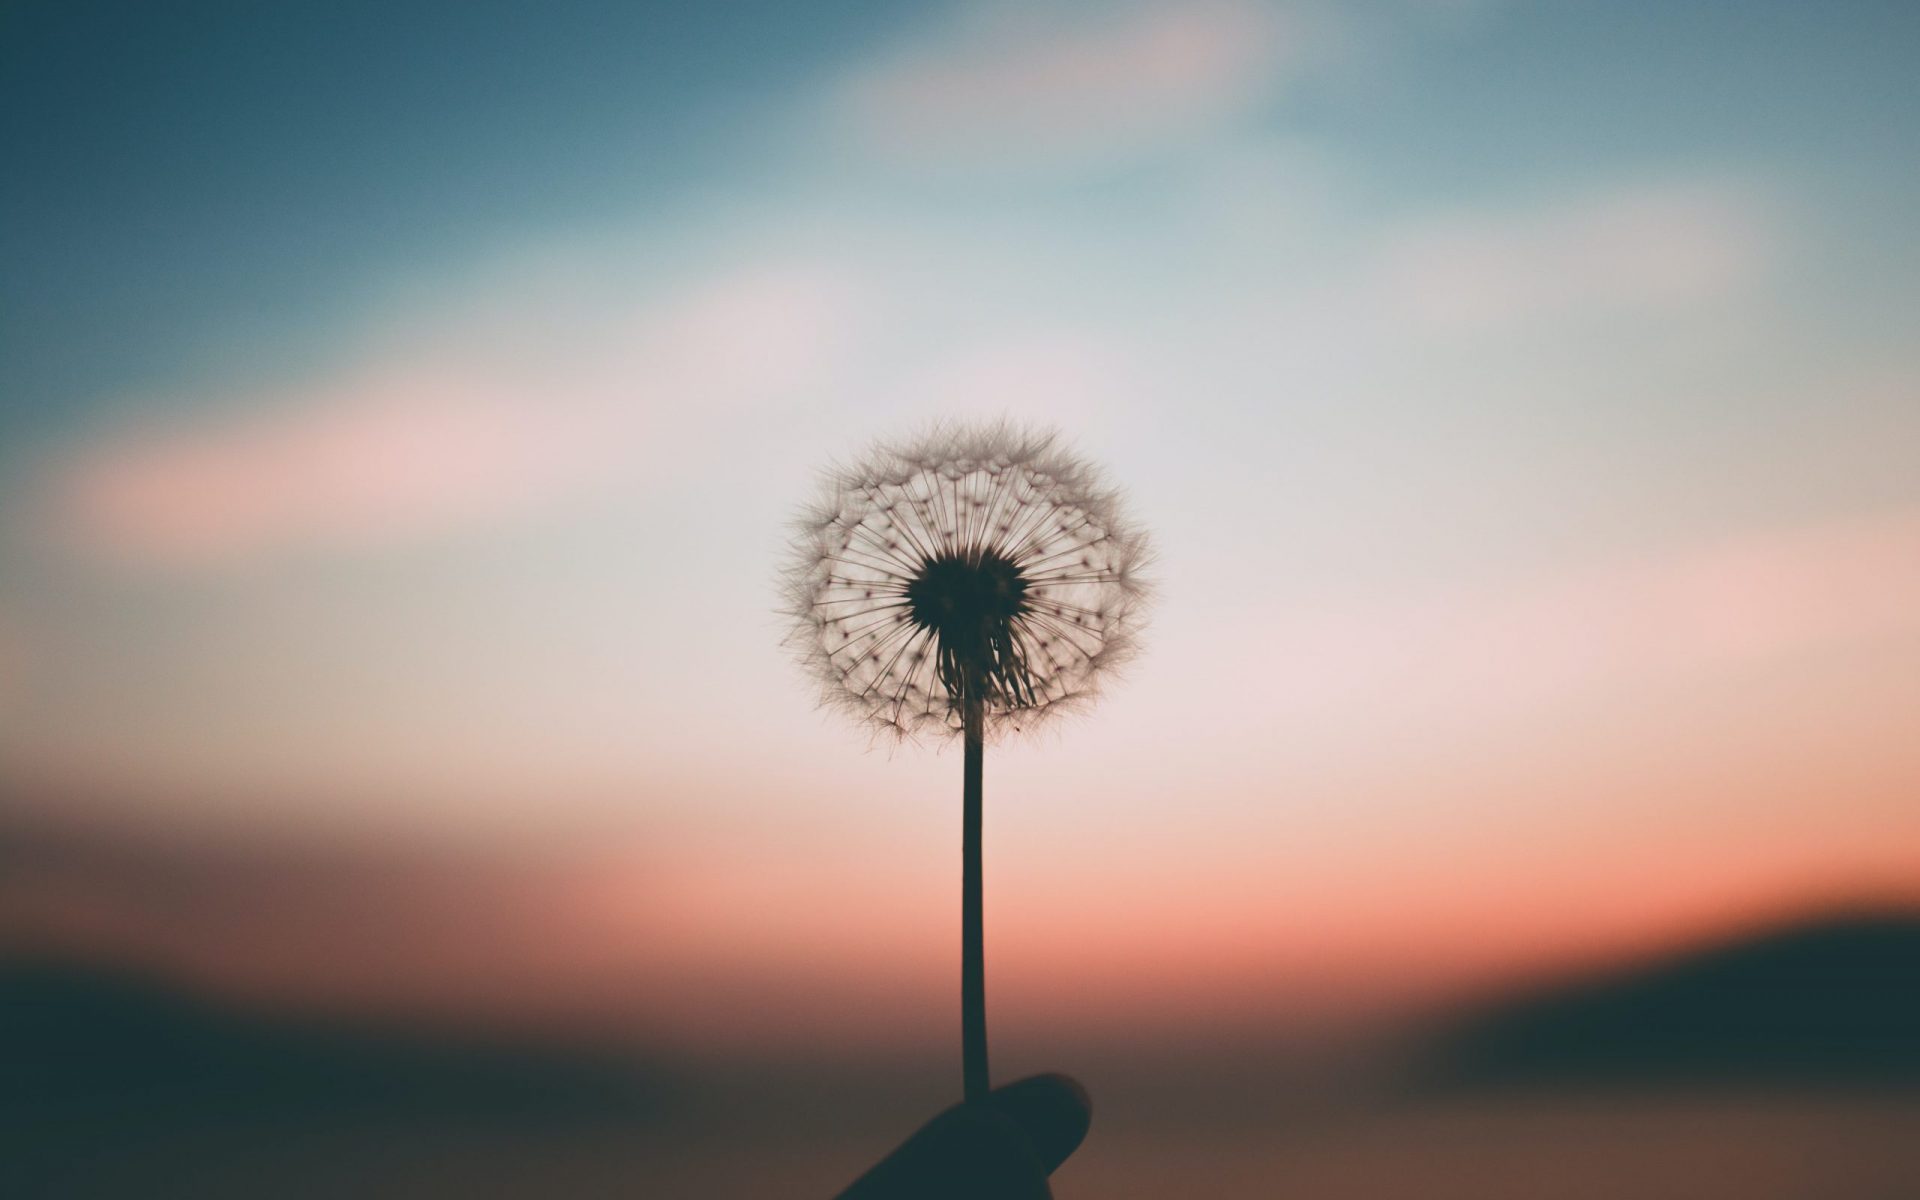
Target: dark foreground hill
column 95, row 1044
column 1835, row 1002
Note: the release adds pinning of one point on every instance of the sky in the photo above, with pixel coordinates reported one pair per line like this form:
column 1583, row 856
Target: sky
column 402, row 406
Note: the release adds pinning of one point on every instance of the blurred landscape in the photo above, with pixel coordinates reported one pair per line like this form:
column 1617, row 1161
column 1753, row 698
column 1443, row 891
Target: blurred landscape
column 1765, row 1061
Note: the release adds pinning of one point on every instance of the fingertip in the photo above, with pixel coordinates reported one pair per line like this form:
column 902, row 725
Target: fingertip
column 1052, row 1111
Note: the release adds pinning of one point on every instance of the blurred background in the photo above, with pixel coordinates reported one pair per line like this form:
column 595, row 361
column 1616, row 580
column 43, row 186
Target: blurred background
column 403, row 791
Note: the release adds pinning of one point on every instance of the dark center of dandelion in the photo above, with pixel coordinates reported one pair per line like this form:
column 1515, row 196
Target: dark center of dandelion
column 962, row 599
column 969, row 604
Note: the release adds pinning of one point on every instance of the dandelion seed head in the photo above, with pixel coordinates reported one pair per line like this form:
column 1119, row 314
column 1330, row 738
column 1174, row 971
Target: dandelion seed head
column 970, row 563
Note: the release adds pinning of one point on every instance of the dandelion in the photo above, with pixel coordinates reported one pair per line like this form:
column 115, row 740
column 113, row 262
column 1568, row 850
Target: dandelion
column 971, row 582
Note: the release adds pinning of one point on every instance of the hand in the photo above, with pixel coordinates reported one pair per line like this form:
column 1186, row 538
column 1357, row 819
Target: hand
column 1001, row 1149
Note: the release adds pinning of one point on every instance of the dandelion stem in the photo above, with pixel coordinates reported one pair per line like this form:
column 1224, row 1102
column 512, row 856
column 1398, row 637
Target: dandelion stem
column 973, row 987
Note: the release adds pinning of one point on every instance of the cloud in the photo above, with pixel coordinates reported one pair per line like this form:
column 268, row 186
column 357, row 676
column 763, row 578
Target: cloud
column 1046, row 82
column 387, row 455
column 1749, row 598
column 463, row 429
column 1661, row 247
column 1507, row 647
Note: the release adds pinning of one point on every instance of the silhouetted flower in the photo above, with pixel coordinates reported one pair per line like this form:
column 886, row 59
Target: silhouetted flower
column 969, row 563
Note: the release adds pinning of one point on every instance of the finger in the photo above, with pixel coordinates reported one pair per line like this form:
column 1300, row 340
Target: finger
column 1003, row 1148
column 969, row 1152
column 1053, row 1112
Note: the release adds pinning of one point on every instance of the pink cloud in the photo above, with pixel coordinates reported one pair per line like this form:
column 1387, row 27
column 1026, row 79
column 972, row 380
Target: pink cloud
column 1012, row 81
column 457, row 433
column 1661, row 248
column 1506, row 647
column 388, row 455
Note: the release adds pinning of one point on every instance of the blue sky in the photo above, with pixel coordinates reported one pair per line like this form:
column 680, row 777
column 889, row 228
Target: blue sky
column 222, row 181
column 232, row 175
